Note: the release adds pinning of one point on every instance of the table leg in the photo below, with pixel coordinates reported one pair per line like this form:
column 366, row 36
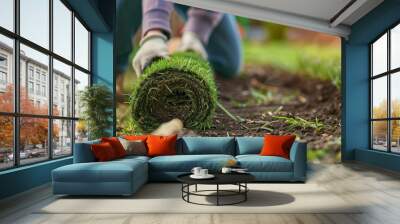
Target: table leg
column 245, row 193
column 195, row 188
column 217, row 194
column 188, row 189
column 182, row 188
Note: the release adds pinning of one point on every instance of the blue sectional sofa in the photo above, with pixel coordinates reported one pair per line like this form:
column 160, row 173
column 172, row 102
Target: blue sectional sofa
column 125, row 176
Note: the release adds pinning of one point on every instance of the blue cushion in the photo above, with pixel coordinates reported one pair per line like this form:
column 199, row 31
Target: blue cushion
column 133, row 157
column 83, row 153
column 185, row 163
column 257, row 163
column 111, row 171
column 249, row 145
column 207, row 145
column 118, row 177
column 273, row 176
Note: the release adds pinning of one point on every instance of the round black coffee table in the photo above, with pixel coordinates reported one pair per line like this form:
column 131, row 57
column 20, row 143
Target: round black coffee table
column 238, row 179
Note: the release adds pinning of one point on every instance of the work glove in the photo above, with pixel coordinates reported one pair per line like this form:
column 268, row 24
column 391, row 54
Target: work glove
column 152, row 47
column 191, row 42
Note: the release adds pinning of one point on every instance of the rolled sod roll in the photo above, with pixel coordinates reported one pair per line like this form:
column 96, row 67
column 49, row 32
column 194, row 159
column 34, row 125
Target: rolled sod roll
column 181, row 86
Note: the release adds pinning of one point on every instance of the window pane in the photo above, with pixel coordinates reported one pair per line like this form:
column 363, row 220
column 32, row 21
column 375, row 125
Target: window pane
column 35, row 21
column 395, row 47
column 33, row 139
column 7, row 14
column 81, row 82
column 62, row 138
column 6, row 142
column 379, row 97
column 395, row 94
column 395, row 138
column 81, row 131
column 62, row 89
column 81, row 45
column 62, row 29
column 379, row 135
column 34, row 72
column 379, row 55
column 6, row 74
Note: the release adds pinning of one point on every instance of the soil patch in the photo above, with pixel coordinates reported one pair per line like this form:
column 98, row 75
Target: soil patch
column 267, row 100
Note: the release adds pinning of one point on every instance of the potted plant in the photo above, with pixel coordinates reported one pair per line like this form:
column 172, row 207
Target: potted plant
column 96, row 102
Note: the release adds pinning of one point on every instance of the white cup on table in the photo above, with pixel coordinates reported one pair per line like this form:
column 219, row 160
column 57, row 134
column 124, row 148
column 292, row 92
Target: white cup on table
column 197, row 171
column 203, row 172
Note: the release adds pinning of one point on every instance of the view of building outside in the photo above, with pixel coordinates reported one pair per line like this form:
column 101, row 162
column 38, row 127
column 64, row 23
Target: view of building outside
column 34, row 86
column 40, row 123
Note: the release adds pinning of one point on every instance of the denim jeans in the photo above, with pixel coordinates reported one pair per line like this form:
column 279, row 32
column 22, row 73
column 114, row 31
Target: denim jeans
column 224, row 47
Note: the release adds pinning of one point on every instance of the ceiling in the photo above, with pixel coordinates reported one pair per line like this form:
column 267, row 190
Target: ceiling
column 321, row 9
column 333, row 17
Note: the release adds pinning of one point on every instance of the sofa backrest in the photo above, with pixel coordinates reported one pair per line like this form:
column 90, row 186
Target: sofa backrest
column 206, row 145
column 249, row 145
column 192, row 146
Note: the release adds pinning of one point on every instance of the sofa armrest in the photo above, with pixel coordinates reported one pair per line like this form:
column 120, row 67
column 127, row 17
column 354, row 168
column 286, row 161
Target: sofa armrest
column 298, row 155
column 83, row 152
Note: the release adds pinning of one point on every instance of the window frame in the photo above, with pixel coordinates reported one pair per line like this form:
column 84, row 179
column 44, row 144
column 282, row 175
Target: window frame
column 16, row 115
column 3, row 71
column 3, row 74
column 388, row 74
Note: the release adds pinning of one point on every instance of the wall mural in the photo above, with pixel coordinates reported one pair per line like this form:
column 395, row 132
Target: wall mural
column 195, row 72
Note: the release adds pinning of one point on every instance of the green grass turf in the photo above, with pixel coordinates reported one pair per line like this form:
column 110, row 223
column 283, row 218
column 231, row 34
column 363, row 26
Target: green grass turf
column 181, row 86
column 316, row 61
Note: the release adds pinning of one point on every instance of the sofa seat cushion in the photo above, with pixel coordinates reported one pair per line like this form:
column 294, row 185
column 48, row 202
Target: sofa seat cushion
column 133, row 157
column 113, row 171
column 185, row 163
column 257, row 163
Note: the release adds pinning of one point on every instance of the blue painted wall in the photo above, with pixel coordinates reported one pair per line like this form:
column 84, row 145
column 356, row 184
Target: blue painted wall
column 24, row 178
column 355, row 115
column 355, row 89
column 92, row 12
column 99, row 15
column 102, row 66
column 379, row 159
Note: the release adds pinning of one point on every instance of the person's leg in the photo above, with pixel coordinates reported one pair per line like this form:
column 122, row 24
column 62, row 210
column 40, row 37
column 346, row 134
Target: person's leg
column 129, row 19
column 224, row 48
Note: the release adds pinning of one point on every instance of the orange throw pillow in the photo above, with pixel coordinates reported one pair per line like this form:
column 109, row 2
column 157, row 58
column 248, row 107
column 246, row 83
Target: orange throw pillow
column 275, row 145
column 116, row 145
column 135, row 137
column 103, row 152
column 161, row 145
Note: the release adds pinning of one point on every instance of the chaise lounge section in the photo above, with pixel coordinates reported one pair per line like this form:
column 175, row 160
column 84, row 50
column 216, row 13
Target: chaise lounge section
column 88, row 177
column 125, row 176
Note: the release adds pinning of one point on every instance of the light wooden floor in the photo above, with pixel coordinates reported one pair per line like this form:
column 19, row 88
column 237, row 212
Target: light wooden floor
column 379, row 189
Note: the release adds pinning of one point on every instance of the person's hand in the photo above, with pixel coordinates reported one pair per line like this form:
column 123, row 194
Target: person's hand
column 152, row 47
column 190, row 42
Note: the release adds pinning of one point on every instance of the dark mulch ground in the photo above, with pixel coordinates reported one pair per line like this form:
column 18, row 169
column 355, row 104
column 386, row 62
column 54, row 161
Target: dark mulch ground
column 263, row 94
